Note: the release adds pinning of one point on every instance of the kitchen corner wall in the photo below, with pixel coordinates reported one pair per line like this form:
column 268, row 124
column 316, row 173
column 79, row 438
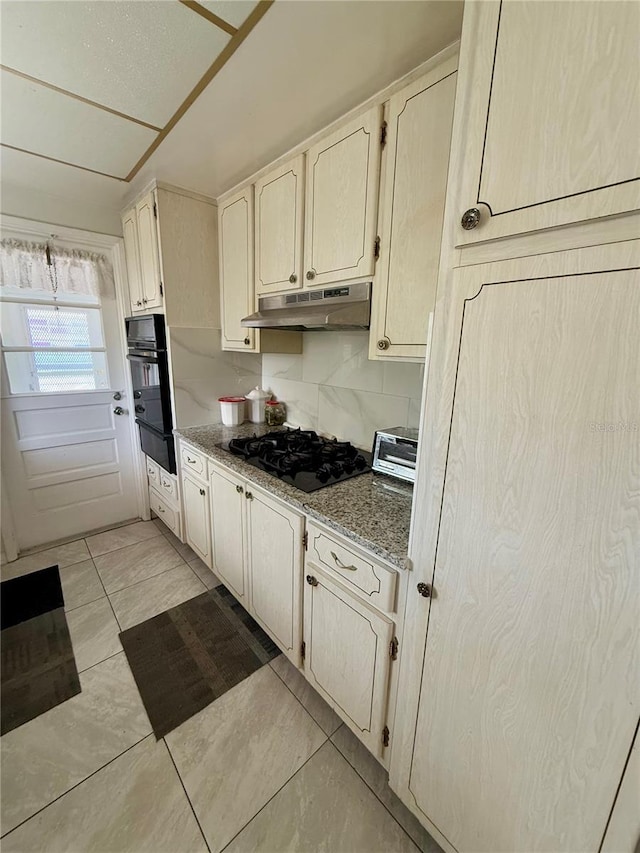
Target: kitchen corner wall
column 202, row 372
column 333, row 387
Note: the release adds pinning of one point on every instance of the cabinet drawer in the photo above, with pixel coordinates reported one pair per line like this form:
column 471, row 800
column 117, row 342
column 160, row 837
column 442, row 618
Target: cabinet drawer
column 168, row 486
column 193, row 461
column 164, row 511
column 153, row 472
column 368, row 578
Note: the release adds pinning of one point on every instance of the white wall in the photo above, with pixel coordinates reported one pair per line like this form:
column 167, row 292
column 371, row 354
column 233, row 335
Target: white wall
column 333, row 387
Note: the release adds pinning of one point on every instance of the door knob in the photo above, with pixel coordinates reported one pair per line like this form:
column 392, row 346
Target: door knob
column 383, row 344
column 202, row 492
column 117, row 396
column 424, row 589
column 470, row 218
column 310, row 275
column 293, row 278
column 239, row 490
column 312, row 581
column 248, row 496
column 118, row 410
column 247, row 341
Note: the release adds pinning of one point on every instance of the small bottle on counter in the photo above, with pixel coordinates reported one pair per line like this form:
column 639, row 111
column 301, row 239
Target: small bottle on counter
column 275, row 413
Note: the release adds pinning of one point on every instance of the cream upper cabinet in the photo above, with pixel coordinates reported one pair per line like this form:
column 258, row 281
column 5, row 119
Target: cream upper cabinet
column 520, row 710
column 132, row 257
column 412, row 209
column 274, row 551
column 343, row 173
column 151, row 286
column 235, row 228
column 548, row 123
column 279, row 200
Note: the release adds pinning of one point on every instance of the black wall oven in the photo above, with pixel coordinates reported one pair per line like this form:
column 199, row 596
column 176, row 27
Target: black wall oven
column 146, row 341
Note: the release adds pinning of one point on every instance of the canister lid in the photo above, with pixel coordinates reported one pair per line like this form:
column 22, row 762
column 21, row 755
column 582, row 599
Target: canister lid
column 257, row 394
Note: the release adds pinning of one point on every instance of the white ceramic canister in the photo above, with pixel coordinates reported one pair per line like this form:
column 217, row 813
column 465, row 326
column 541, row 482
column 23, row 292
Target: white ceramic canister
column 232, row 410
column 256, row 400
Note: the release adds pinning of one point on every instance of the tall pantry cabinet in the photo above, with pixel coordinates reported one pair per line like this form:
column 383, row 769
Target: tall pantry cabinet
column 520, row 671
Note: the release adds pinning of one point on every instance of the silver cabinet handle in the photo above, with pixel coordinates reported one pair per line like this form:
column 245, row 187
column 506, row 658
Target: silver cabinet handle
column 160, row 509
column 190, row 460
column 166, row 485
column 342, row 565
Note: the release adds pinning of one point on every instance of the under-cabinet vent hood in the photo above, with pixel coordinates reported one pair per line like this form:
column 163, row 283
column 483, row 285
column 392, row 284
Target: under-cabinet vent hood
column 329, row 309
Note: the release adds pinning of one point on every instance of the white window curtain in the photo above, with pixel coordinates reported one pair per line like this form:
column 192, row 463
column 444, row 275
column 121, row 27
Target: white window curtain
column 53, row 269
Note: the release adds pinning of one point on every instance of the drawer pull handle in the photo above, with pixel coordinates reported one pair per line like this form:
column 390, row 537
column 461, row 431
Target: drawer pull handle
column 342, row 565
column 239, row 490
column 160, row 509
column 166, row 485
column 190, row 460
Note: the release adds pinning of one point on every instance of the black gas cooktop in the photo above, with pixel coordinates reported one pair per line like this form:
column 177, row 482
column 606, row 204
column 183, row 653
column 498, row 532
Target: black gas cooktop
column 301, row 457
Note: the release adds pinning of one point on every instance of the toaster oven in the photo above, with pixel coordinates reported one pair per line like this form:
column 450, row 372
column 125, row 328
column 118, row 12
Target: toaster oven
column 395, row 452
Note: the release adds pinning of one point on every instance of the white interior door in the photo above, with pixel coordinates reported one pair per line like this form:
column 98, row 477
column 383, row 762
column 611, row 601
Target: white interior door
column 67, row 455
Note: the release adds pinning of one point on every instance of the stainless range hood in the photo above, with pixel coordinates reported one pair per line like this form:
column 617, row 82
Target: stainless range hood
column 329, row 309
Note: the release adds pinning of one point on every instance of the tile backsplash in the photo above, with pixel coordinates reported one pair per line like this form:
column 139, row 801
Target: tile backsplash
column 333, row 387
column 202, row 372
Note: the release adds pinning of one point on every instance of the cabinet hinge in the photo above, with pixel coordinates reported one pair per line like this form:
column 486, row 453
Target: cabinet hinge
column 376, row 248
column 161, row 289
column 155, row 210
column 305, row 540
column 393, row 649
column 385, row 736
column 383, row 134
column 303, row 650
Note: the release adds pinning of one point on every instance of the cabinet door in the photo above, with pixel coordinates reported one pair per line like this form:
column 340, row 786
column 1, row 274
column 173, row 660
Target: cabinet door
column 236, row 269
column 528, row 689
column 197, row 518
column 343, row 174
column 418, row 142
column 274, row 547
column 132, row 258
column 149, row 257
column 227, row 514
column 347, row 656
column 547, row 132
column 279, row 213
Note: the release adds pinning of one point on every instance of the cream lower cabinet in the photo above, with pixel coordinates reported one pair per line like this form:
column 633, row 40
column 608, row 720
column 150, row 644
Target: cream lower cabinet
column 348, row 640
column 195, row 501
column 519, row 710
column 164, row 498
column 257, row 553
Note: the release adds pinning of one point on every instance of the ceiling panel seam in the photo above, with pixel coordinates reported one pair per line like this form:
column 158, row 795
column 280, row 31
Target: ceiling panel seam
column 227, row 52
column 79, row 98
column 210, row 16
column 63, row 162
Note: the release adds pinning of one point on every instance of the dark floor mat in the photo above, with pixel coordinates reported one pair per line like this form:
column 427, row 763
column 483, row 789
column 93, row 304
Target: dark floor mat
column 190, row 655
column 38, row 668
column 30, row 595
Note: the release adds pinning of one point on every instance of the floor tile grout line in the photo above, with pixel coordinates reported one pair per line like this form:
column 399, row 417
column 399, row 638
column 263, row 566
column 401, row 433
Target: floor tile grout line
column 107, row 596
column 204, row 837
column 128, row 545
column 97, row 663
column 382, row 803
column 84, row 603
column 49, row 546
column 299, row 701
column 284, row 785
column 73, row 787
column 163, row 572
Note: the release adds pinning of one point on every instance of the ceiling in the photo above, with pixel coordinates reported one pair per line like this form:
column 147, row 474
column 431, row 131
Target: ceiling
column 102, row 96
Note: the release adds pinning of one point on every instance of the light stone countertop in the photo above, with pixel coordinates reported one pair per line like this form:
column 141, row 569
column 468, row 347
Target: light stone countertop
column 371, row 510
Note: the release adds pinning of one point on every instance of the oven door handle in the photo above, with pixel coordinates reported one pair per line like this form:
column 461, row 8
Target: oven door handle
column 147, row 358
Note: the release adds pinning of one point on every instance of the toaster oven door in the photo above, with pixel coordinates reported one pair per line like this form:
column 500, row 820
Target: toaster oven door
column 396, row 456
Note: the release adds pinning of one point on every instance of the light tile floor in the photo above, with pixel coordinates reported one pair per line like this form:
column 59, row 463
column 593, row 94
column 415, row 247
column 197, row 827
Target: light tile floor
column 267, row 767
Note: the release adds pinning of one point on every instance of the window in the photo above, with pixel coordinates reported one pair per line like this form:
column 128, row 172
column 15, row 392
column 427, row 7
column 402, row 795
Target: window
column 53, row 348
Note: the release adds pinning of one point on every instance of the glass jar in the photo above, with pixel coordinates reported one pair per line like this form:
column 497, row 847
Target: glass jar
column 275, row 413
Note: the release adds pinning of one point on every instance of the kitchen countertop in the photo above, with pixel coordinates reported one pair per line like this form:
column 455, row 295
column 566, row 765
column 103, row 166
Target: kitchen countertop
column 371, row 510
